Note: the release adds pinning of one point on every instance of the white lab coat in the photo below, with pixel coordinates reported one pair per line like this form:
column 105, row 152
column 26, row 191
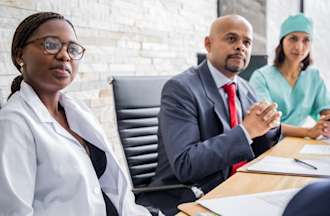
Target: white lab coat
column 45, row 171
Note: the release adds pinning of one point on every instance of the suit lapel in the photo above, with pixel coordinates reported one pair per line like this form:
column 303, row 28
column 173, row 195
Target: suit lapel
column 244, row 96
column 212, row 92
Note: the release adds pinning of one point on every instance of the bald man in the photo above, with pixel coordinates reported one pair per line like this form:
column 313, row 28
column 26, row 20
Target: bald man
column 205, row 130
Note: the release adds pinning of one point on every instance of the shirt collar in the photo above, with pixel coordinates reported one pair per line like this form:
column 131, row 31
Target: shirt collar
column 78, row 116
column 219, row 78
column 32, row 99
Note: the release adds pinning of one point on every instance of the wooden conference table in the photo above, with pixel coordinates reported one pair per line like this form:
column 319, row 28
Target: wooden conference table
column 246, row 183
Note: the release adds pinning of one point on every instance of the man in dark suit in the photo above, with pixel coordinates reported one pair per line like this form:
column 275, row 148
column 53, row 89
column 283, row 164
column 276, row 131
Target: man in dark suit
column 312, row 200
column 201, row 136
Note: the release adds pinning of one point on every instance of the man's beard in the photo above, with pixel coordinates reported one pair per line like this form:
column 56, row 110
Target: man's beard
column 234, row 68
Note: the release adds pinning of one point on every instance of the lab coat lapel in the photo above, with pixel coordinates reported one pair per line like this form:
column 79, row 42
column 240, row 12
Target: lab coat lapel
column 39, row 109
column 83, row 123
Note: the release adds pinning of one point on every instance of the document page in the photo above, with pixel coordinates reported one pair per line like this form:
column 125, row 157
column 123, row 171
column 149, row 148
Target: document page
column 316, row 149
column 281, row 165
column 259, row 204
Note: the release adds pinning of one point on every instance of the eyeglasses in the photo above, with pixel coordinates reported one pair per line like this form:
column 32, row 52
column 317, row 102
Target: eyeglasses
column 53, row 45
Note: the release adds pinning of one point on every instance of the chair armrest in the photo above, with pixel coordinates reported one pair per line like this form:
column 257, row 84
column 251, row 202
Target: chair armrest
column 197, row 191
column 159, row 188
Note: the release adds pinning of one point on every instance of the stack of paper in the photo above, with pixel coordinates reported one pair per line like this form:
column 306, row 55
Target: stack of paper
column 281, row 165
column 259, row 204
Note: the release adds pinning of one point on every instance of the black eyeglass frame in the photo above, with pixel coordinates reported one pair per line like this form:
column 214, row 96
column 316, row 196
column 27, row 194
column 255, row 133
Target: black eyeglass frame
column 46, row 51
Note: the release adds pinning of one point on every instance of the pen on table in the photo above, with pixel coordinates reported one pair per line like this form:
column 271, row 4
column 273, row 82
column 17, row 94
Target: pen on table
column 305, row 163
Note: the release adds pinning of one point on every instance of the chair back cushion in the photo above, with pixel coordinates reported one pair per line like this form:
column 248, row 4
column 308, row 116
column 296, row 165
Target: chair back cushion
column 137, row 102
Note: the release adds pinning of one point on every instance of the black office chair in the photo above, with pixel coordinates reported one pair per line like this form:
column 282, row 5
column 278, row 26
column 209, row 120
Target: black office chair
column 137, row 104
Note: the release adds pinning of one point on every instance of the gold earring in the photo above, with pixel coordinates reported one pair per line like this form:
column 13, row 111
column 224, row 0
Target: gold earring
column 21, row 67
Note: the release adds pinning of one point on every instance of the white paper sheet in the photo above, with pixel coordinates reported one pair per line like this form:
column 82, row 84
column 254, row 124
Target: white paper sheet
column 259, row 204
column 281, row 165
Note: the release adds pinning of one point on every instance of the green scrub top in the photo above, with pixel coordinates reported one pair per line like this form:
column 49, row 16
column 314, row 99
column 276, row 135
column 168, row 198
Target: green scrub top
column 308, row 97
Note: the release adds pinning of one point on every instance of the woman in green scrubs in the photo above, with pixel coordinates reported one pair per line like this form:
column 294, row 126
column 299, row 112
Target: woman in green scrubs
column 293, row 83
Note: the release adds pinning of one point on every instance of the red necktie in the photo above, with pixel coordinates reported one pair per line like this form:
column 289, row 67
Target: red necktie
column 230, row 89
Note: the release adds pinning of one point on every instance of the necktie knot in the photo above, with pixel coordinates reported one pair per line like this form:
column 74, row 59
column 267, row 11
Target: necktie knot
column 230, row 88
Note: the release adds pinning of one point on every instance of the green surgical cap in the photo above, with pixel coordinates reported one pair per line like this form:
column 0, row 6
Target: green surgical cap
column 296, row 23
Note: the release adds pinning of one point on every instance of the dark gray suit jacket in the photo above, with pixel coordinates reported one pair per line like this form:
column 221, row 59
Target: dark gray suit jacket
column 196, row 144
column 313, row 200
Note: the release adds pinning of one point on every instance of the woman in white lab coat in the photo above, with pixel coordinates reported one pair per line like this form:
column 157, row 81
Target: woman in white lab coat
column 54, row 156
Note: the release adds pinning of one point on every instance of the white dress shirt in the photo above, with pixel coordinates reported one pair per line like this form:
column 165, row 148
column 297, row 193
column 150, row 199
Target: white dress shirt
column 45, row 171
column 221, row 80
